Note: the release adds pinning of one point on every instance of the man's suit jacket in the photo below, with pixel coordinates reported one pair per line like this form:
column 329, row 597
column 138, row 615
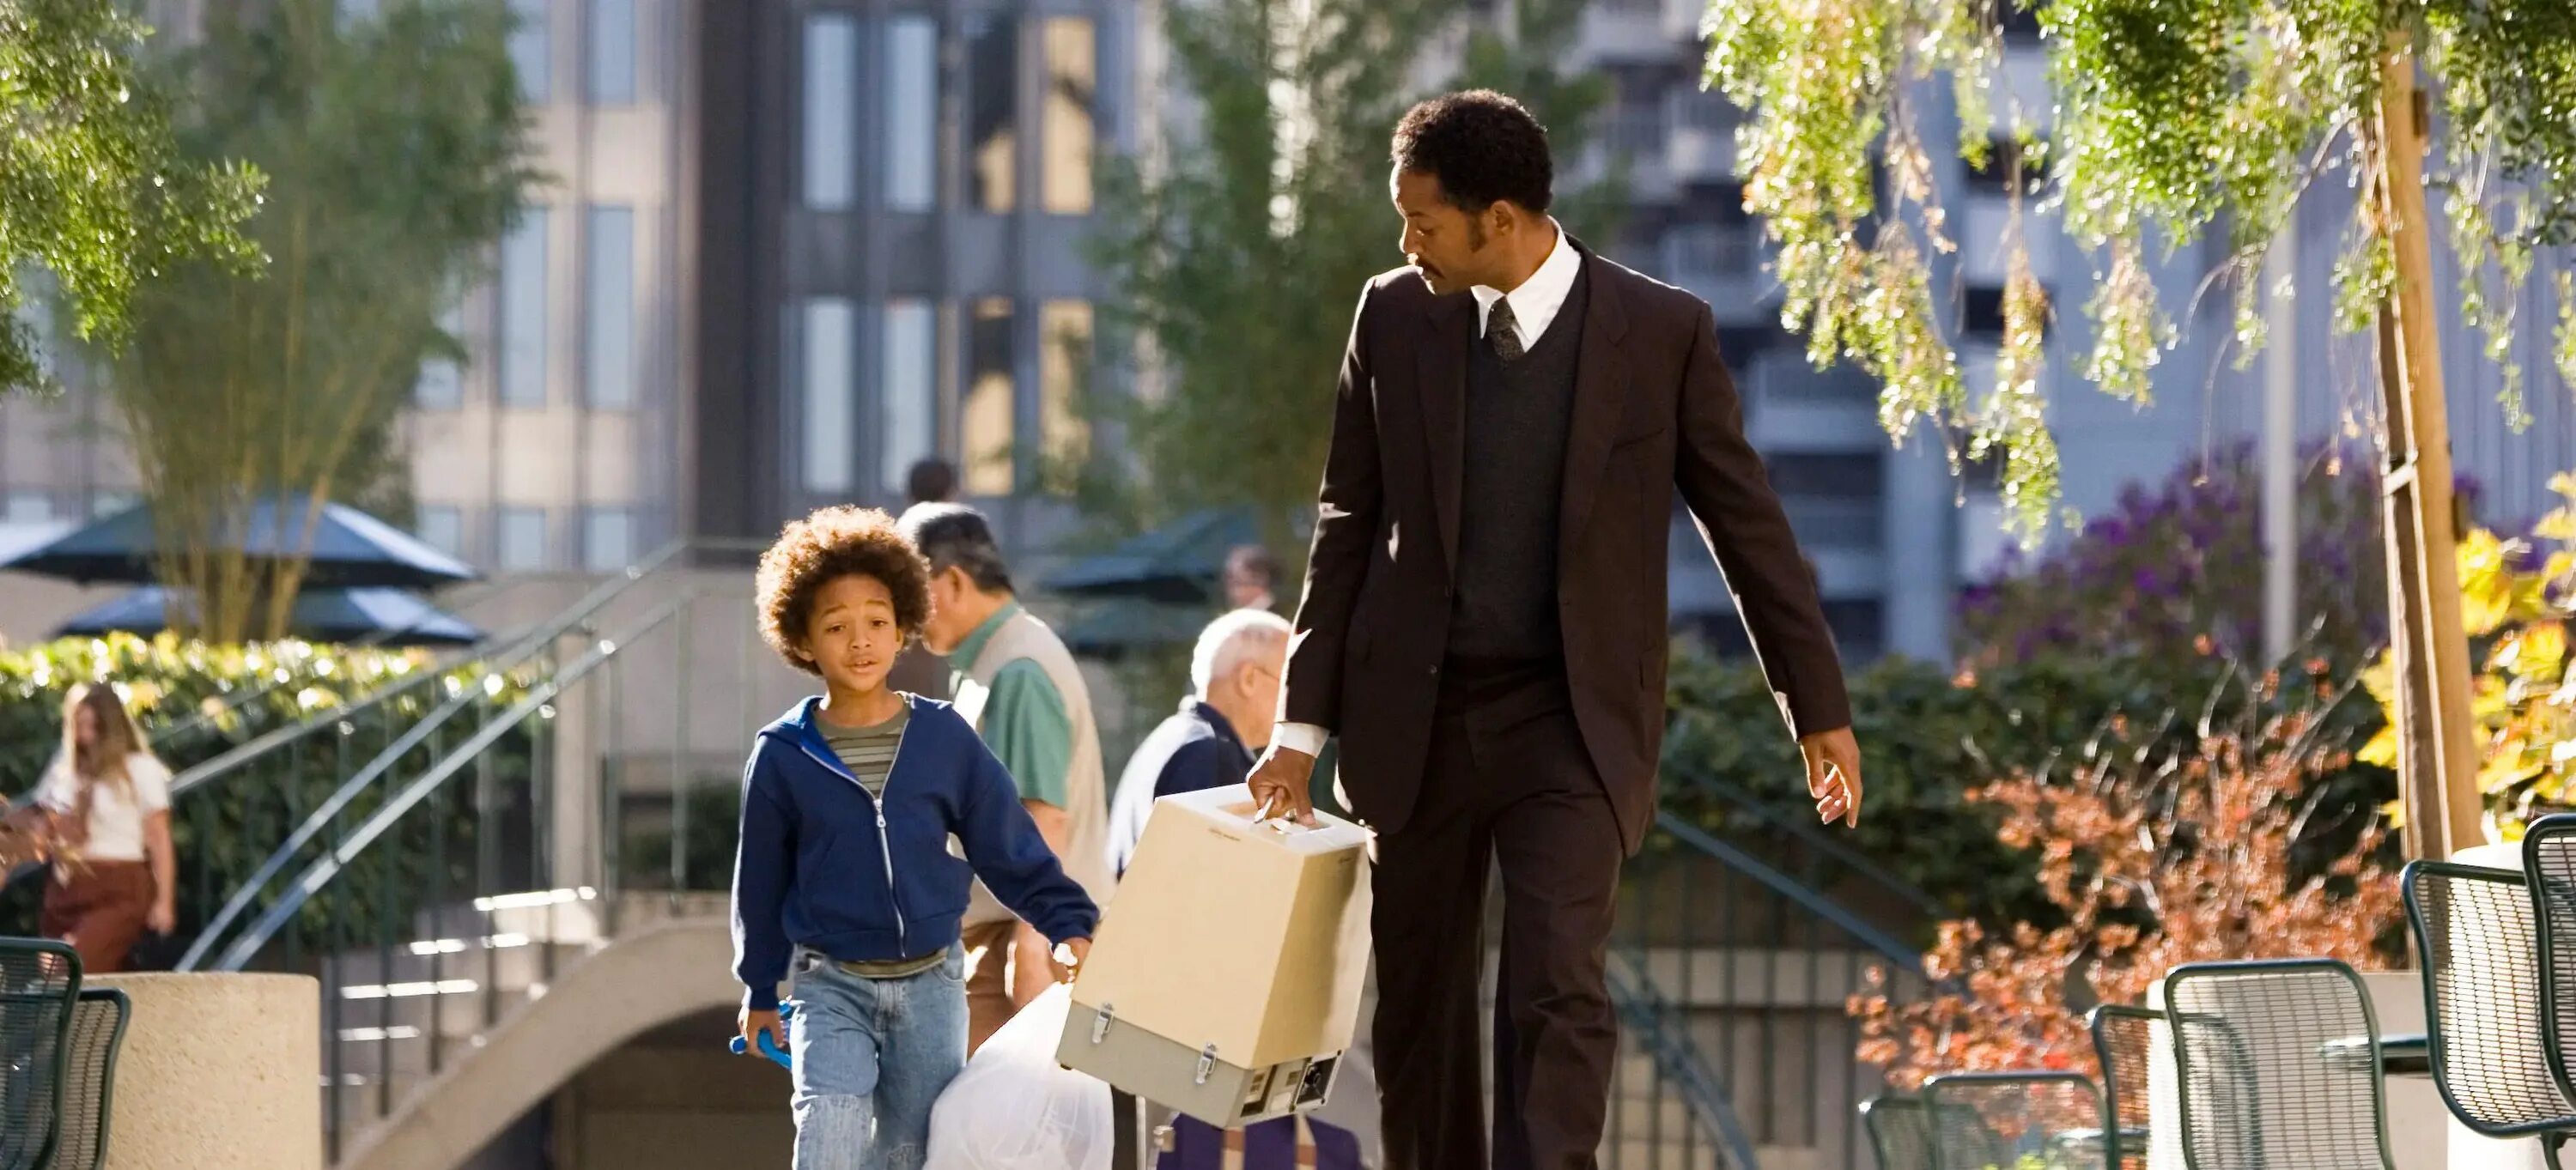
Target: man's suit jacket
column 1654, row 410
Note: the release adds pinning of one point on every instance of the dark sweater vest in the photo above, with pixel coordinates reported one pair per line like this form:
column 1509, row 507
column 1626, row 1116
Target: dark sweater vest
column 1504, row 611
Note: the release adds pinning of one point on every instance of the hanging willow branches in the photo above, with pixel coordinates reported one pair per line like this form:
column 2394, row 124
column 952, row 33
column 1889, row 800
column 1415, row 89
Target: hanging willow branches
column 2173, row 119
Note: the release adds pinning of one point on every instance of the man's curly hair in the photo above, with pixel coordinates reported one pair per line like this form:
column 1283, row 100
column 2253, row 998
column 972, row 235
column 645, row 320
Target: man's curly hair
column 1482, row 146
column 837, row 542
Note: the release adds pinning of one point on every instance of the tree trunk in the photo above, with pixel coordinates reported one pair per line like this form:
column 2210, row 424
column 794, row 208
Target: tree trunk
column 2437, row 757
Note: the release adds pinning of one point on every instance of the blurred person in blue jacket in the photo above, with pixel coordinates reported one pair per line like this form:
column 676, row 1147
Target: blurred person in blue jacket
column 1211, row 741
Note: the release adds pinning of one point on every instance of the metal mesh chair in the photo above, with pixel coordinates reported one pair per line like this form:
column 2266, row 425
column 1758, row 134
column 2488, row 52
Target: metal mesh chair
column 2480, row 945
column 89, row 1080
column 2549, row 866
column 2124, row 1038
column 1900, row 1132
column 39, row 981
column 2279, row 1066
column 1982, row 1121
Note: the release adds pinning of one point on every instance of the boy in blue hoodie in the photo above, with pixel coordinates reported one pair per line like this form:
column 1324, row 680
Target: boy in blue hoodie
column 843, row 883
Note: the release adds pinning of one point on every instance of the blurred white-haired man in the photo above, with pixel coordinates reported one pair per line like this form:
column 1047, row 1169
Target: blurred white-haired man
column 1211, row 741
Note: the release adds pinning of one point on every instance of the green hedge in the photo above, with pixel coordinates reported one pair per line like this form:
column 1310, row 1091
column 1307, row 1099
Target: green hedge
column 1929, row 736
column 224, row 829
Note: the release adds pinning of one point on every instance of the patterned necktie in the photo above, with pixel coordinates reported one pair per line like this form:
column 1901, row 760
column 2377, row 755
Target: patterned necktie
column 1503, row 333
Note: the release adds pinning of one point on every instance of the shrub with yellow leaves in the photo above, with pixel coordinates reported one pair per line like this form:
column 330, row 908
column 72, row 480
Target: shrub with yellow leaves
column 2516, row 602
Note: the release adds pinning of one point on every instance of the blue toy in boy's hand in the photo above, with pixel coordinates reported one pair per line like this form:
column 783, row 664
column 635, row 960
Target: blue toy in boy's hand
column 769, row 1047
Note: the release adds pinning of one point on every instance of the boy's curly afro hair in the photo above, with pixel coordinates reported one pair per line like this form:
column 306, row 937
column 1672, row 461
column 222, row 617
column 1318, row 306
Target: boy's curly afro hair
column 837, row 542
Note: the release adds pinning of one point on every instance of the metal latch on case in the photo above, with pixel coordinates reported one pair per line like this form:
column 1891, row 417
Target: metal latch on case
column 1100, row 1021
column 1207, row 1064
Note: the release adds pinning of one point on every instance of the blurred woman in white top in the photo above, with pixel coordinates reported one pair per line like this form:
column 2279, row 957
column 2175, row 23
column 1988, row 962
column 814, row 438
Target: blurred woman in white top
column 108, row 800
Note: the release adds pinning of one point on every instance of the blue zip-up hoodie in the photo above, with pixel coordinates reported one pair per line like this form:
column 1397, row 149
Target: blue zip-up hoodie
column 824, row 866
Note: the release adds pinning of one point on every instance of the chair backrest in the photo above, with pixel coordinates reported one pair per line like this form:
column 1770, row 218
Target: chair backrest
column 89, row 1081
column 39, row 980
column 1983, row 1121
column 2125, row 1039
column 2480, row 946
column 2549, row 865
column 2279, row 1066
column 1900, row 1132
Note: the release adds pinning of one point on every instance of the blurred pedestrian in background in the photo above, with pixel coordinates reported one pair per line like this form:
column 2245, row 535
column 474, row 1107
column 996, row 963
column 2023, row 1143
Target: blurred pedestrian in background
column 1210, row 741
column 1251, row 578
column 103, row 814
column 1015, row 681
column 916, row 669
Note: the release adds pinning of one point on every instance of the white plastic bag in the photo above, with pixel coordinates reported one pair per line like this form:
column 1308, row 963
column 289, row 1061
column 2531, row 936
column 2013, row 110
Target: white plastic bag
column 1015, row 1109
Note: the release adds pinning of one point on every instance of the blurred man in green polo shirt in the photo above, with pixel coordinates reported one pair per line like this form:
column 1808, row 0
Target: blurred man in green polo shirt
column 1017, row 684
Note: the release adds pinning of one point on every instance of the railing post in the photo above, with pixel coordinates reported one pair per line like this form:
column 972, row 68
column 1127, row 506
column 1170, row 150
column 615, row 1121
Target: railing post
column 680, row 679
column 612, row 797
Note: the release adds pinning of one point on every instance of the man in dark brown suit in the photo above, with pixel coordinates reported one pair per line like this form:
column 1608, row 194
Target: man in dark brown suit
column 1484, row 626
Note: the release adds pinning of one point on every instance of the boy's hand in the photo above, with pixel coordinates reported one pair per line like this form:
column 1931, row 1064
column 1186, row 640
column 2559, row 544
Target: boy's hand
column 753, row 1023
column 1069, row 955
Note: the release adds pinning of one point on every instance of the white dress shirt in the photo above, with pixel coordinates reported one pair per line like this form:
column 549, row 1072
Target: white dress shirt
column 1534, row 308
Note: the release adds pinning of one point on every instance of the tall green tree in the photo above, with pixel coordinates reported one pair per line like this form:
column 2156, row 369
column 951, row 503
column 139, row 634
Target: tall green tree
column 397, row 145
column 93, row 188
column 1237, row 257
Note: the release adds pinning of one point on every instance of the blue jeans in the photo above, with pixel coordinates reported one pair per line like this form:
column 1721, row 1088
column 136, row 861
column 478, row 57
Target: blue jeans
column 871, row 1056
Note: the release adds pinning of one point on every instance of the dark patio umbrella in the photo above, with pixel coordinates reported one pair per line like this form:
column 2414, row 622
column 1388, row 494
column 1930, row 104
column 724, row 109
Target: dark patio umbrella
column 1120, row 626
column 384, row 617
column 350, row 549
column 1178, row 562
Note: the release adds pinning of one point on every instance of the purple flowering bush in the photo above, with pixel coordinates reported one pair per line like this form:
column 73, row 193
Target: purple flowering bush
column 2174, row 573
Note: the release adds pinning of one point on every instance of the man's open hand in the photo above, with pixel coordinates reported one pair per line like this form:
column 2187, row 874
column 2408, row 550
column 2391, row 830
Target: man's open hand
column 1833, row 774
column 1279, row 783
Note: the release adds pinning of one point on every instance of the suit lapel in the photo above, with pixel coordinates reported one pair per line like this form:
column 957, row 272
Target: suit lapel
column 1600, row 399
column 1442, row 373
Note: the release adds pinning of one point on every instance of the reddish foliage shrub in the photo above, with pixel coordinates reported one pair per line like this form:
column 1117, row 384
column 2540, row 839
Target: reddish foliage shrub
column 2240, row 846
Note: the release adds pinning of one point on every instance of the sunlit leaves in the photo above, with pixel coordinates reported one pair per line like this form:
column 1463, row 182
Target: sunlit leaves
column 2237, row 846
column 2518, row 604
column 2173, row 118
column 92, row 189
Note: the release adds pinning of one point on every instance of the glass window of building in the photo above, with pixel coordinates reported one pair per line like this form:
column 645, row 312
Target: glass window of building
column 831, row 111
column 1069, row 138
column 532, row 47
column 523, row 310
column 1064, row 366
column 522, row 539
column 441, row 384
column 907, row 391
column 442, row 527
column 992, row 112
column 911, row 113
column 830, row 417
column 27, row 506
column 612, row 52
column 984, row 423
column 109, row 502
column 608, row 287
column 607, row 539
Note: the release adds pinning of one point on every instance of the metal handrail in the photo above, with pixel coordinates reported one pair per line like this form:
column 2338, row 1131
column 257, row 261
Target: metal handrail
column 1677, row 1056
column 320, row 872
column 1790, row 888
column 1775, row 935
column 1807, row 835
column 272, row 740
column 518, row 652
